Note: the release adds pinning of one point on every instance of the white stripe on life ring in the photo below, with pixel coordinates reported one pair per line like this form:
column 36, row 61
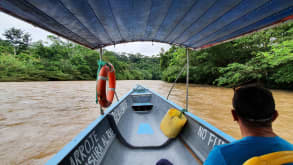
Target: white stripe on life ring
column 111, row 89
column 102, row 78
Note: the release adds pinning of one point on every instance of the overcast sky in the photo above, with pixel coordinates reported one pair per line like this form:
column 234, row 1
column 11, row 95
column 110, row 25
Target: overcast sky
column 145, row 48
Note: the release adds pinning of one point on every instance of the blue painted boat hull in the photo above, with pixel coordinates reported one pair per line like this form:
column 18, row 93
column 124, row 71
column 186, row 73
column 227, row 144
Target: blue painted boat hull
column 137, row 138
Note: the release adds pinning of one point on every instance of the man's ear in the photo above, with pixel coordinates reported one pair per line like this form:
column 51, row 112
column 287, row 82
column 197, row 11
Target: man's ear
column 234, row 114
column 276, row 114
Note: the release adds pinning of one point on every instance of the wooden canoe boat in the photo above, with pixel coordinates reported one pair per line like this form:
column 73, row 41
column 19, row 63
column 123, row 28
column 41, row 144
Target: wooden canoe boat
column 129, row 134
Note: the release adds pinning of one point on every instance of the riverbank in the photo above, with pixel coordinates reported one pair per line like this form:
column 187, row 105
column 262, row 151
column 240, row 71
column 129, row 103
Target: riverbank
column 65, row 61
column 264, row 56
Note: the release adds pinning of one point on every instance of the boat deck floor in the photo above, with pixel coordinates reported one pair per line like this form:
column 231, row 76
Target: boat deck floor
column 143, row 129
column 176, row 153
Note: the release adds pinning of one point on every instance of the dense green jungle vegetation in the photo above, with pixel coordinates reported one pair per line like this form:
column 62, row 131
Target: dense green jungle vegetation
column 21, row 60
column 265, row 56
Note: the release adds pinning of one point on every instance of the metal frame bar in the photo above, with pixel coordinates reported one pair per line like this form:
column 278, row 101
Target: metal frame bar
column 101, row 56
column 187, row 77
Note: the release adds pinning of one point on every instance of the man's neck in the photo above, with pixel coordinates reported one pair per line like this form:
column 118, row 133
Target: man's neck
column 257, row 131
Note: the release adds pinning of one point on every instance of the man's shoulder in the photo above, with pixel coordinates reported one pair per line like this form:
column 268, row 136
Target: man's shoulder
column 234, row 143
column 252, row 146
column 252, row 140
column 245, row 148
column 255, row 142
column 219, row 152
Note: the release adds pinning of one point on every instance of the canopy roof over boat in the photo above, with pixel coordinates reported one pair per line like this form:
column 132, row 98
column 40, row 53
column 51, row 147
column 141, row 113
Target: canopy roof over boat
column 190, row 23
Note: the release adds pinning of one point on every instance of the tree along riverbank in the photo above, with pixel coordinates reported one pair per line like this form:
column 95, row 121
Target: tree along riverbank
column 265, row 56
column 67, row 61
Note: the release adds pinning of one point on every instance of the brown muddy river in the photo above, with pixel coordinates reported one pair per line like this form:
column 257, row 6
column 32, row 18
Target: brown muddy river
column 38, row 118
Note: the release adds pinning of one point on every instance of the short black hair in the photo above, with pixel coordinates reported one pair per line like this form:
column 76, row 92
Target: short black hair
column 255, row 105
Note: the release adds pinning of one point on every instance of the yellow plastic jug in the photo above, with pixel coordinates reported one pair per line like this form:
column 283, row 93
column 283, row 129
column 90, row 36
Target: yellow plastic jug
column 172, row 123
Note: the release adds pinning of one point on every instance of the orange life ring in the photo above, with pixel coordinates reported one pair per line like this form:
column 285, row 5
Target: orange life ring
column 107, row 71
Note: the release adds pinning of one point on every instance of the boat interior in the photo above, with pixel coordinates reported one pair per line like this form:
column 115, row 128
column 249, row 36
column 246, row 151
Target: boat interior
column 142, row 128
column 129, row 133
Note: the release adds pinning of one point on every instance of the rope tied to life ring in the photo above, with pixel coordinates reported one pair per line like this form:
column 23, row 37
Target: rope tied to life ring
column 105, row 72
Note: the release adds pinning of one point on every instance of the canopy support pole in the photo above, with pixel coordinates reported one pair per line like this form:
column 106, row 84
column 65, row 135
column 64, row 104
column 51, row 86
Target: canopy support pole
column 116, row 96
column 101, row 56
column 187, row 77
column 101, row 53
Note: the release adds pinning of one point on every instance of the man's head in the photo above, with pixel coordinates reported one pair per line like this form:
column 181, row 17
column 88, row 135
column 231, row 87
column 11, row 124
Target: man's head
column 254, row 106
